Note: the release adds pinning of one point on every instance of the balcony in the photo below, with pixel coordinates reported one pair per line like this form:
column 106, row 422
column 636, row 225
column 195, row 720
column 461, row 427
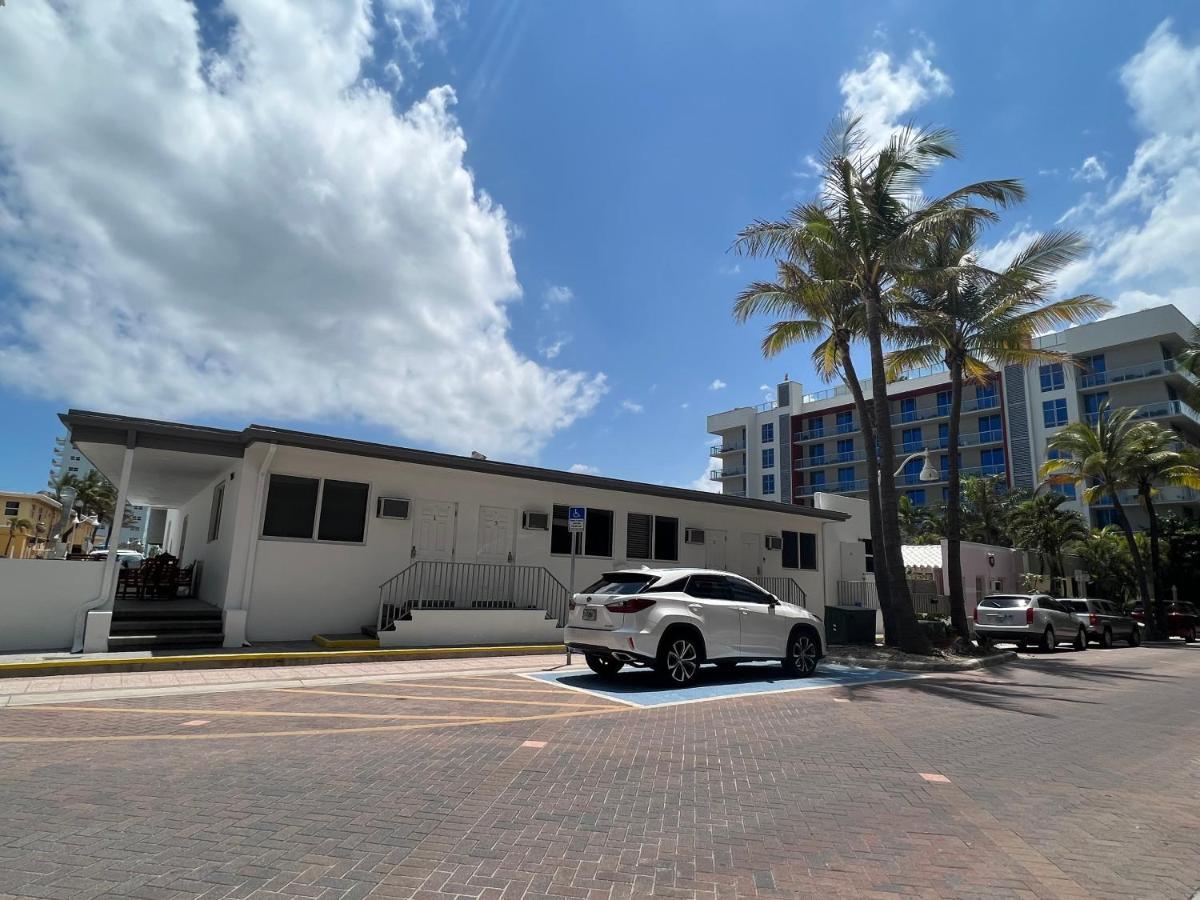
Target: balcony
column 840, row 391
column 840, row 487
column 1163, row 409
column 722, row 474
column 1157, row 369
column 834, row 459
column 720, row 451
column 942, row 410
column 1166, row 494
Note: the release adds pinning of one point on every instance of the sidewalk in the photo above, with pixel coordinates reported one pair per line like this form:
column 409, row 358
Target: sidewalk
column 109, row 685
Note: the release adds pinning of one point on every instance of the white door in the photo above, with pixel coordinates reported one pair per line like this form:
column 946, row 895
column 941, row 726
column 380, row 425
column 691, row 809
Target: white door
column 497, row 527
column 714, row 549
column 433, row 530
column 752, row 555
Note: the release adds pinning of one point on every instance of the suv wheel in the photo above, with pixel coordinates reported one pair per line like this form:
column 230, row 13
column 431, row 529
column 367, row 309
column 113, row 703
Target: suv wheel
column 1190, row 637
column 604, row 666
column 1080, row 642
column 803, row 654
column 1106, row 640
column 1048, row 640
column 1135, row 636
column 679, row 659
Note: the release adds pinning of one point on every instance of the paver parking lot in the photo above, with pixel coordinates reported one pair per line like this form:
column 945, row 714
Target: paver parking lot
column 1067, row 775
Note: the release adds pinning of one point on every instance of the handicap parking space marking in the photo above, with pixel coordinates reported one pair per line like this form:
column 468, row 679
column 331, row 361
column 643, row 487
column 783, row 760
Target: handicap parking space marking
column 641, row 688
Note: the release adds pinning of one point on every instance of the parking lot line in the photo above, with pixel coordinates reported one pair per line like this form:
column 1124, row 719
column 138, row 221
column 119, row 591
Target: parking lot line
column 497, row 700
column 150, row 710
column 442, row 686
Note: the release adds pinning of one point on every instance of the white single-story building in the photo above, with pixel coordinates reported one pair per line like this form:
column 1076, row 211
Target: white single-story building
column 298, row 534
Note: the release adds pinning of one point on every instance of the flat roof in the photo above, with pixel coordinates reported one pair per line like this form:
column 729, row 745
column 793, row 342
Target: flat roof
column 104, row 428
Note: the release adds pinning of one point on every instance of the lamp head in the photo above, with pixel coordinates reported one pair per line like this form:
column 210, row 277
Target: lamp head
column 928, row 472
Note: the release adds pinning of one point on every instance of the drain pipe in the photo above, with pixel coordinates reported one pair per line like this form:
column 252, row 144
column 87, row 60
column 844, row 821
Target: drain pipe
column 260, row 490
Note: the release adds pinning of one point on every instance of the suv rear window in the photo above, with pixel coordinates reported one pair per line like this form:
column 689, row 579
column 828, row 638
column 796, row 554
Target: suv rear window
column 1078, row 605
column 620, row 583
column 1004, row 602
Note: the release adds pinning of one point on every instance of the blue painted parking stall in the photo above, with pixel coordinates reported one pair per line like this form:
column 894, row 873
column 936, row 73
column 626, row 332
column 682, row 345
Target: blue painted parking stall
column 643, row 688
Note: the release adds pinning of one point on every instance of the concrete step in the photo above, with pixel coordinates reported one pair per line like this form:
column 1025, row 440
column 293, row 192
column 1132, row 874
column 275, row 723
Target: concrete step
column 165, row 626
column 155, row 641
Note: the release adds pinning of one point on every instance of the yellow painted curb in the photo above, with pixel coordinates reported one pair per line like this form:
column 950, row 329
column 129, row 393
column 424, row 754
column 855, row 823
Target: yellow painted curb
column 292, row 657
column 363, row 643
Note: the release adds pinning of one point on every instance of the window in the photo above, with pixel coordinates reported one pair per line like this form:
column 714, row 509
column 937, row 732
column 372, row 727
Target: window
column 291, row 507
column 817, row 480
column 343, row 511
column 816, row 453
column 745, row 592
column 768, row 432
column 990, row 429
column 992, row 461
column 845, row 422
column 651, row 537
column 1067, row 490
column 944, row 465
column 768, row 458
column 917, row 497
column 908, row 409
column 596, row 539
column 845, row 478
column 214, row 513
column 910, row 440
column 768, row 484
column 912, row 471
column 293, row 502
column 799, row 550
column 943, row 403
column 869, row 551
column 1092, row 404
column 816, row 426
column 943, row 436
column 1051, row 377
column 845, row 450
column 1054, row 413
column 710, row 587
column 985, row 396
column 1093, row 371
column 620, row 583
column 12, row 507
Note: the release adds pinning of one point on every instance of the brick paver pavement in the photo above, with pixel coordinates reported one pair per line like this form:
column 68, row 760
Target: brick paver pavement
column 1072, row 775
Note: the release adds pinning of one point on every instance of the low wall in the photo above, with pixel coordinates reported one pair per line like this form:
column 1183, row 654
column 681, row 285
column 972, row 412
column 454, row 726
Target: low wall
column 472, row 627
column 39, row 599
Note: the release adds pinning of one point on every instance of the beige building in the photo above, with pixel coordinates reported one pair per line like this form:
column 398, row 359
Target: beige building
column 26, row 523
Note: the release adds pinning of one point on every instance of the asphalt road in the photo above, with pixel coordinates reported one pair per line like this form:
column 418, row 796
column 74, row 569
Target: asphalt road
column 1067, row 775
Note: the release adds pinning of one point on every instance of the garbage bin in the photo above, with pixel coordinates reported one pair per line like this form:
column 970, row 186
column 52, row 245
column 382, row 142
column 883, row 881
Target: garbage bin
column 849, row 625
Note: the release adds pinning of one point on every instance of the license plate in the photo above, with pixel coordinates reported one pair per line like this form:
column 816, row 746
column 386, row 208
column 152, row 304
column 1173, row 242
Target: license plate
column 589, row 614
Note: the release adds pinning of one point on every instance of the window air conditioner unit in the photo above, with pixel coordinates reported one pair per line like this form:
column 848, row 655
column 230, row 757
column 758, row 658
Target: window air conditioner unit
column 774, row 542
column 693, row 535
column 392, row 508
column 535, row 521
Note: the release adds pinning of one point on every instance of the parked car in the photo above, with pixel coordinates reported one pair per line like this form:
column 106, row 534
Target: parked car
column 673, row 620
column 1028, row 619
column 1105, row 621
column 126, row 559
column 1183, row 619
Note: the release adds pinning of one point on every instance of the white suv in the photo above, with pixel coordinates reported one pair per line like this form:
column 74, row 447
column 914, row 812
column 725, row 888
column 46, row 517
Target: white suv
column 675, row 619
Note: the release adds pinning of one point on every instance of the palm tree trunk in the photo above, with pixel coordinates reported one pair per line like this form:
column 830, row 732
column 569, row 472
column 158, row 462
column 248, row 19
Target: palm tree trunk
column 1139, row 565
column 909, row 635
column 958, row 603
column 882, row 587
column 1160, row 601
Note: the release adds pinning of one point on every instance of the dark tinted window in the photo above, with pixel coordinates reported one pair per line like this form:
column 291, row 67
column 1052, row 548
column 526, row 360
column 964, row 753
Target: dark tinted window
column 808, row 551
column 671, row 587
column 291, row 507
column 710, row 587
column 791, row 551
column 597, row 534
column 343, row 511
column 1004, row 602
column 666, row 538
column 620, row 583
column 560, row 537
column 1077, row 606
column 745, row 592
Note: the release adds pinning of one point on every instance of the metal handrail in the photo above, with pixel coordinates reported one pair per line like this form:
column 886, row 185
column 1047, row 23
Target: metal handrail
column 430, row 584
column 786, row 589
column 732, row 448
column 731, row 472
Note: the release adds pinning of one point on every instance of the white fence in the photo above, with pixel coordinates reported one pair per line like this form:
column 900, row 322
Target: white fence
column 39, row 600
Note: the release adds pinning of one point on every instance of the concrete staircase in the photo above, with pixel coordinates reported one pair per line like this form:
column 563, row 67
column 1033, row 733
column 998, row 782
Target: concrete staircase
column 163, row 624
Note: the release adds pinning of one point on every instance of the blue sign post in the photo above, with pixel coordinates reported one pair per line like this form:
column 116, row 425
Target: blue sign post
column 576, row 519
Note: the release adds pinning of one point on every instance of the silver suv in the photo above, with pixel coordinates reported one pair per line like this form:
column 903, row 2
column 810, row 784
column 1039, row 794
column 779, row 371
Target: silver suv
column 1105, row 621
column 1028, row 619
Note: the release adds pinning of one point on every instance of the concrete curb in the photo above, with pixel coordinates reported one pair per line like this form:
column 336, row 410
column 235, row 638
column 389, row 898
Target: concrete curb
column 940, row 665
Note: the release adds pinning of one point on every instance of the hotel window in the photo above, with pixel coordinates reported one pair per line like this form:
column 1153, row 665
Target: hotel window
column 1092, row 404
column 816, row 453
column 302, row 508
column 985, row 396
column 596, row 539
column 908, row 409
column 917, row 497
column 943, row 436
column 12, row 508
column 1051, row 377
column 799, row 550
column 943, row 403
column 845, row 478
column 992, row 461
column 910, row 440
column 944, row 465
column 1093, row 371
column 912, row 471
column 816, row 426
column 768, row 458
column 845, row 422
column 768, row 484
column 1067, row 490
column 652, row 537
column 990, row 429
column 1054, row 413
column 845, row 450
column 768, row 432
column 817, row 480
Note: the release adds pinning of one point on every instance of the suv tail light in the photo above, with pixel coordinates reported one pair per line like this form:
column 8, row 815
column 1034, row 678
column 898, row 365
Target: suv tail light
column 1029, row 615
column 1093, row 619
column 975, row 614
column 630, row 605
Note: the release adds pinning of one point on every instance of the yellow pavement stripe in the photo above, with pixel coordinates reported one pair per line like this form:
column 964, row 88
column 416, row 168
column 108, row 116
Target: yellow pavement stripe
column 498, row 700
column 233, row 712
column 308, row 732
column 439, row 686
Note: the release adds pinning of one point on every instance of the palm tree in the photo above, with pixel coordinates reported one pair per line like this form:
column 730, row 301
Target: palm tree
column 16, row 525
column 1105, row 557
column 919, row 524
column 1040, row 524
column 814, row 301
column 1157, row 459
column 985, row 510
column 976, row 321
column 1098, row 456
column 872, row 218
column 95, row 496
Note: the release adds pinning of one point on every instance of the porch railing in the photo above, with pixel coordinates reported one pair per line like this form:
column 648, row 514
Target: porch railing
column 786, row 589
column 858, row 594
column 428, row 584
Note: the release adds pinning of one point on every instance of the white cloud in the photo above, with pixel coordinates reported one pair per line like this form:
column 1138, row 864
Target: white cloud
column 552, row 349
column 630, row 406
column 884, row 93
column 1090, row 170
column 581, row 469
column 254, row 231
column 705, row 482
column 684, row 405
column 558, row 295
column 997, row 256
column 717, row 385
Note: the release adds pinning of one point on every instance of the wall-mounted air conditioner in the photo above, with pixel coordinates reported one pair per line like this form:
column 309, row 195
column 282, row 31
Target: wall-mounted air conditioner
column 693, row 535
column 774, row 542
column 392, row 508
column 535, row 521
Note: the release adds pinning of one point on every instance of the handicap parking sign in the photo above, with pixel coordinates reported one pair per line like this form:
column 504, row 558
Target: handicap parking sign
column 576, row 515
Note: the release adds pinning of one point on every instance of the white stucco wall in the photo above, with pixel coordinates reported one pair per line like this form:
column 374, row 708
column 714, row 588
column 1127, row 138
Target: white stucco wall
column 213, row 555
column 39, row 599
column 474, row 627
column 300, row 588
column 987, row 569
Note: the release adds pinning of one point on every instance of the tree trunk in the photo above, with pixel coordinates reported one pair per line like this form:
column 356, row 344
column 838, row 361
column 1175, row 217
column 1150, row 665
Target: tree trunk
column 882, row 587
column 958, row 603
column 1139, row 565
column 910, row 636
column 1160, row 602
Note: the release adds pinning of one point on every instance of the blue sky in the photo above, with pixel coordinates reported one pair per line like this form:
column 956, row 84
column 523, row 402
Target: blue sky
column 314, row 232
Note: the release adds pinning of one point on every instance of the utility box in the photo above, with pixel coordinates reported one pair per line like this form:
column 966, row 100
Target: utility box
column 849, row 625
